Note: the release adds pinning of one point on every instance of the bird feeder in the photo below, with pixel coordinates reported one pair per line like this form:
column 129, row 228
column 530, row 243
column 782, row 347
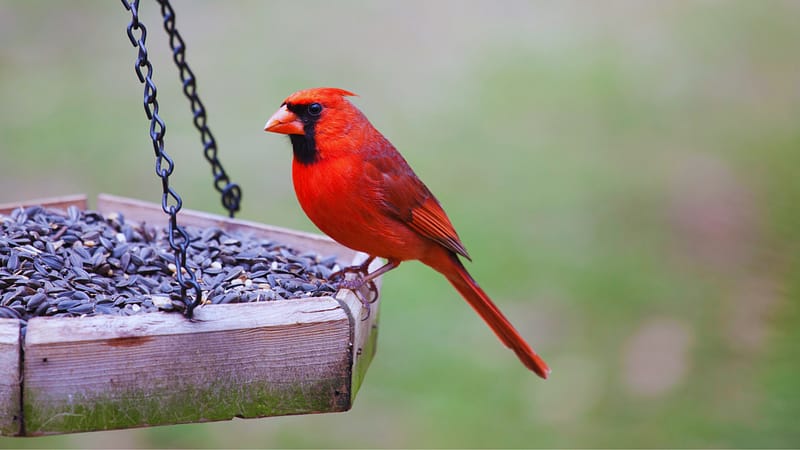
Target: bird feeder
column 294, row 356
column 216, row 361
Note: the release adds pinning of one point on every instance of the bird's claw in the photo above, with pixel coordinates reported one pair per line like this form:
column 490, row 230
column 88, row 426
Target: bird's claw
column 355, row 285
column 363, row 278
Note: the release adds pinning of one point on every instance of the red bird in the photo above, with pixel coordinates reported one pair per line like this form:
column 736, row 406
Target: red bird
column 357, row 188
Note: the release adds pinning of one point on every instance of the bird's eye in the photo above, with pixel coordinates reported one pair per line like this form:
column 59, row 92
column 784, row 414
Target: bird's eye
column 315, row 109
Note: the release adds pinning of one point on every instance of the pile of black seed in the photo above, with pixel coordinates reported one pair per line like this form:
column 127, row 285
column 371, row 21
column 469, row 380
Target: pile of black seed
column 86, row 263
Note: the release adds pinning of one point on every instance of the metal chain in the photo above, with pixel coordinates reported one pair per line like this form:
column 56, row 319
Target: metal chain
column 171, row 202
column 230, row 192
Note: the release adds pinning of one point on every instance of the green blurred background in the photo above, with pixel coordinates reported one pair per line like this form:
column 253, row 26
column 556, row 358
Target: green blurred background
column 624, row 174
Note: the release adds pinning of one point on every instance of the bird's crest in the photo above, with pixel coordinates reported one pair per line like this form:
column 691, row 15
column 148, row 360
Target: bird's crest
column 320, row 94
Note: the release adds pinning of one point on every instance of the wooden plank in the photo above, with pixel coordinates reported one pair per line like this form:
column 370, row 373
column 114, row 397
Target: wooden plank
column 10, row 412
column 78, row 200
column 245, row 360
column 152, row 213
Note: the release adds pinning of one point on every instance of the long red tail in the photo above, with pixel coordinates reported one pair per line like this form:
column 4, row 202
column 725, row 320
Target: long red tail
column 450, row 266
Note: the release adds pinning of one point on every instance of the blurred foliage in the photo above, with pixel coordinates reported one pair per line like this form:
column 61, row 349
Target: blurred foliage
column 624, row 174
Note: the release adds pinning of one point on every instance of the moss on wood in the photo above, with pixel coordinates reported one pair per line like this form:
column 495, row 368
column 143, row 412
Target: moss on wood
column 222, row 401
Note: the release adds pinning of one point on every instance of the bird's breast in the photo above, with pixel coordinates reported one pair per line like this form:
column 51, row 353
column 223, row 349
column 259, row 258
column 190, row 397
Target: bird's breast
column 346, row 203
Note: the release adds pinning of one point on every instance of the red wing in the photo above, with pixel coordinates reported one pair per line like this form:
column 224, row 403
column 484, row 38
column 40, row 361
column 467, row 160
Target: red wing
column 407, row 198
column 430, row 220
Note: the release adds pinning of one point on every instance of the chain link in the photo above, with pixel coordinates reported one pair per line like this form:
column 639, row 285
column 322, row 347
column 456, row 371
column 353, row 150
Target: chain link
column 171, row 202
column 230, row 192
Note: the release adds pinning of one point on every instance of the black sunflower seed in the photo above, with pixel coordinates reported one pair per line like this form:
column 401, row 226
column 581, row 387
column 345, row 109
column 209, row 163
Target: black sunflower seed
column 83, row 263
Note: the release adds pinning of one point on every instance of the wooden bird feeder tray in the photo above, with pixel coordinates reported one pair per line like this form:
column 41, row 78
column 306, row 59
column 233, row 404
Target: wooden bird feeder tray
column 244, row 360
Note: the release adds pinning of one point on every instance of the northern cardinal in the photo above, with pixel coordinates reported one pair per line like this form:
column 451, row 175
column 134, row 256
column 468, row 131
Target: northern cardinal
column 357, row 188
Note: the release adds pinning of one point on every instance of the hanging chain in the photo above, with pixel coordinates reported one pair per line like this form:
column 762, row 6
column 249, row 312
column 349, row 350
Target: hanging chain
column 230, row 192
column 171, row 202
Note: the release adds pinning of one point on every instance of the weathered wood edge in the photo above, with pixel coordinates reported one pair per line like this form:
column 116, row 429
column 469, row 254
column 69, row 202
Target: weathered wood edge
column 208, row 319
column 363, row 333
column 64, row 202
column 10, row 375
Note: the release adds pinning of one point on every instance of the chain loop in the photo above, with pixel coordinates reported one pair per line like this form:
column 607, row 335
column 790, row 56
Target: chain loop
column 171, row 202
column 231, row 192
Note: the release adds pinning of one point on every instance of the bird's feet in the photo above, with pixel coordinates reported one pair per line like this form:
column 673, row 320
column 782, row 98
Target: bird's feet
column 362, row 278
column 356, row 285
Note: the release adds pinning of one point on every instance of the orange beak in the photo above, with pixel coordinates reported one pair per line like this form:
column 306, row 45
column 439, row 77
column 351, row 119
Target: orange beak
column 284, row 121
